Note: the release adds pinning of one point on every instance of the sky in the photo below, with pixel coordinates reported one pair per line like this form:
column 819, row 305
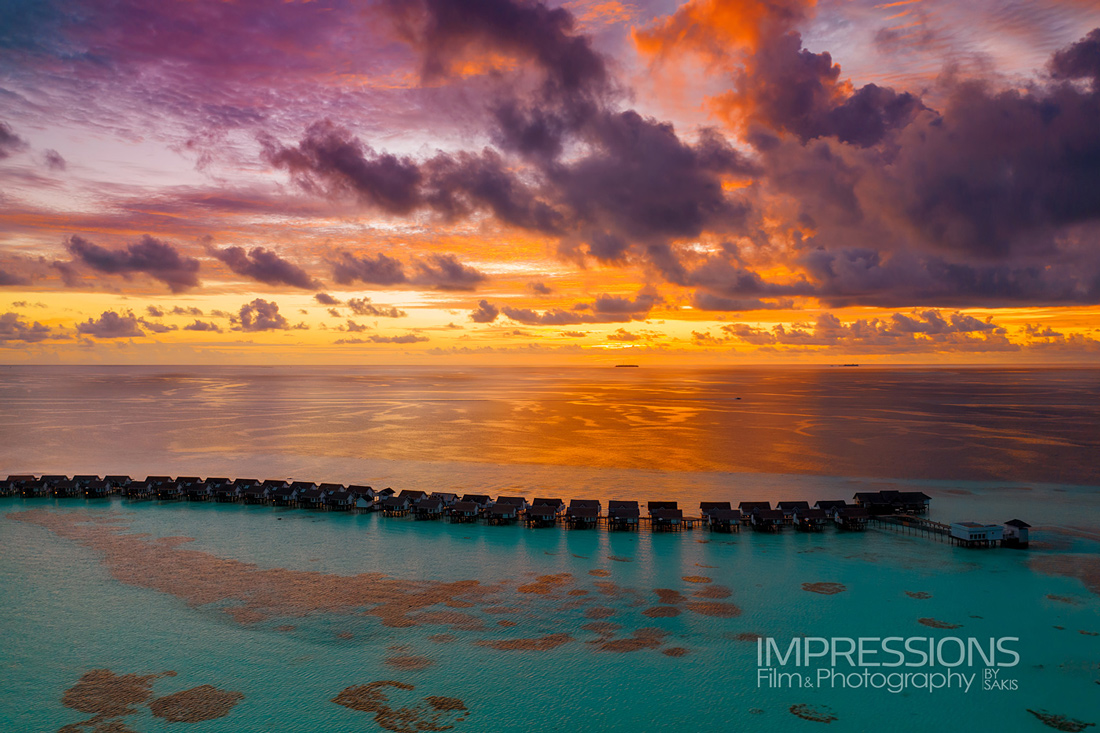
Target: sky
column 509, row 182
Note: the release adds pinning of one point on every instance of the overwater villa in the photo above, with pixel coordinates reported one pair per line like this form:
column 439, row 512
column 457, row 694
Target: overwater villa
column 789, row 508
column 1015, row 533
column 894, row 510
column 810, row 520
column 140, row 490
column 749, row 508
column 557, row 504
column 169, row 490
column 518, row 502
column 395, row 506
column 482, row 500
column 723, row 520
column 65, row 489
column 541, row 515
column 118, row 481
column 851, row 518
column 767, row 520
column 623, row 514
column 583, row 513
column 502, row 513
column 665, row 518
column 343, row 500
column 464, row 511
column 200, row 491
column 97, row 489
column 447, row 498
column 428, row 508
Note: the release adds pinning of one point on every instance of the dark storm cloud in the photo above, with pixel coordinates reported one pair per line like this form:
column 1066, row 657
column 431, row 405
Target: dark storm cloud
column 635, row 187
column 149, row 256
column 330, row 160
column 111, row 325
column 787, row 88
column 1080, row 60
column 572, row 78
column 264, row 265
column 989, row 200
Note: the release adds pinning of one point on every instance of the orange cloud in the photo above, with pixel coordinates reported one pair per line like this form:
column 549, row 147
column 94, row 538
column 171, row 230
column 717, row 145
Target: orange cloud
column 712, row 29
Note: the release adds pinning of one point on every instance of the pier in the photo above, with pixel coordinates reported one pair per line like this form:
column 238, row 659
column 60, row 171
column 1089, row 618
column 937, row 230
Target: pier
column 892, row 511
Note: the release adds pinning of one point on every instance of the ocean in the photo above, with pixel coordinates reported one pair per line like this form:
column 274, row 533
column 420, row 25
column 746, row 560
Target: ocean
column 154, row 616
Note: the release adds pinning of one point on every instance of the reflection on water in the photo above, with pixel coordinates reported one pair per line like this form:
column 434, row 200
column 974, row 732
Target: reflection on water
column 1007, row 424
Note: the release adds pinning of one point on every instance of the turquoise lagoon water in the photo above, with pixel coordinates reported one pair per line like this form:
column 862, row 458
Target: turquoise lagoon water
column 77, row 595
column 65, row 614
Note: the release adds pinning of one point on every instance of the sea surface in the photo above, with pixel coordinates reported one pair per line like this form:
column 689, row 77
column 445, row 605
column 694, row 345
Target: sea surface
column 120, row 616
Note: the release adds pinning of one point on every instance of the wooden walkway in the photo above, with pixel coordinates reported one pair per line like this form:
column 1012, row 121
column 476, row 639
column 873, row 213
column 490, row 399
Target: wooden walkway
column 913, row 525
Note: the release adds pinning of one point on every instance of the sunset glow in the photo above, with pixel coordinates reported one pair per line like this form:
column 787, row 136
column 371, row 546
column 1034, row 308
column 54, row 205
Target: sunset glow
column 593, row 182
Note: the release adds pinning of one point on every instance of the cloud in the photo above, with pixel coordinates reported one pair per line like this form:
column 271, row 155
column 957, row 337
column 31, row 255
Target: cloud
column 111, row 325
column 264, row 265
column 150, row 256
column 331, row 161
column 10, row 143
column 54, row 161
column 186, row 311
column 363, row 307
column 1046, row 339
column 377, row 270
column 157, row 327
column 326, row 299
column 630, row 188
column 604, row 309
column 623, row 335
column 1079, row 61
column 885, row 201
column 206, row 326
column 14, row 328
column 354, row 327
column 485, row 312
column 445, row 272
column 439, row 271
column 11, row 278
column 154, row 311
column 918, row 331
column 539, row 288
column 261, row 315
column 408, row 338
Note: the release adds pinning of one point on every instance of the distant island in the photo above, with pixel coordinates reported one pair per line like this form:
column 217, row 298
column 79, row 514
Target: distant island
column 621, row 366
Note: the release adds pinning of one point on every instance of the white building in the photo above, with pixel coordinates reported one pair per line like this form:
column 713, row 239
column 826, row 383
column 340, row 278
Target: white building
column 973, row 534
